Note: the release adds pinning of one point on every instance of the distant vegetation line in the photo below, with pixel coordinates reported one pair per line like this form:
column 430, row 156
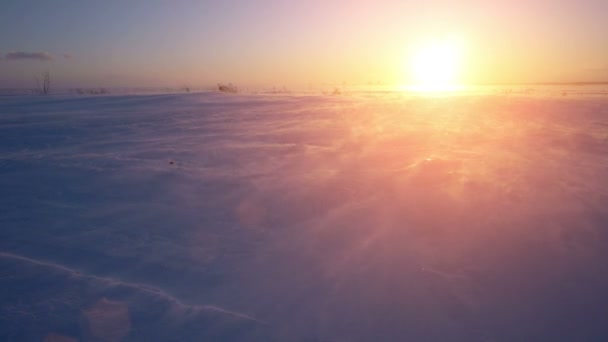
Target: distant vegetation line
column 43, row 88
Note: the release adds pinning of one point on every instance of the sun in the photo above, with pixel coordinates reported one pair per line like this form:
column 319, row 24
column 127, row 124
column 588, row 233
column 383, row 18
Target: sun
column 437, row 65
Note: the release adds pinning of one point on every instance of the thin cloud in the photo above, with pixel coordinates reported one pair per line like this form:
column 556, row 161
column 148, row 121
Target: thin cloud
column 21, row 55
column 67, row 56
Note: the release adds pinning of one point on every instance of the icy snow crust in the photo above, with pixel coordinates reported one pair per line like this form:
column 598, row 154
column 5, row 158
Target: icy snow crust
column 365, row 217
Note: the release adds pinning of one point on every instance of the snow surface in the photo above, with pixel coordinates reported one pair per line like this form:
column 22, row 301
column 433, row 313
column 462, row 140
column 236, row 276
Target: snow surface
column 365, row 217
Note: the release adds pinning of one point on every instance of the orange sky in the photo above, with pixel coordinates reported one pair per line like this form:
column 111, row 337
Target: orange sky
column 275, row 42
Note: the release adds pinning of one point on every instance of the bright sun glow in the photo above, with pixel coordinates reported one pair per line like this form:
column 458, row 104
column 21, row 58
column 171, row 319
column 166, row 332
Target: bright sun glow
column 437, row 65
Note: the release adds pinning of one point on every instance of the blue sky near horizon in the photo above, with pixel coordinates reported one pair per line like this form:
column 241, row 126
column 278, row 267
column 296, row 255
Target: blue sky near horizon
column 274, row 42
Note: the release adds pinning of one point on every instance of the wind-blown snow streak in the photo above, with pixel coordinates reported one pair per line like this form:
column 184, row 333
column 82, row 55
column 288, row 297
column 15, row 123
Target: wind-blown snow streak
column 116, row 282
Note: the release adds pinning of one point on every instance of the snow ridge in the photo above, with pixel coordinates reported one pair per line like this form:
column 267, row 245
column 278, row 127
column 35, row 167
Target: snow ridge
column 137, row 286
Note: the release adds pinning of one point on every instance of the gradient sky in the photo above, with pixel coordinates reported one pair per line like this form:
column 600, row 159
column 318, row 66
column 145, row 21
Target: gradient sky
column 279, row 42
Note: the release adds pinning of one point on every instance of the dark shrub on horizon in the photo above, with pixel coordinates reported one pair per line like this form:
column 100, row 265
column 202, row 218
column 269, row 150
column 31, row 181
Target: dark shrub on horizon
column 227, row 88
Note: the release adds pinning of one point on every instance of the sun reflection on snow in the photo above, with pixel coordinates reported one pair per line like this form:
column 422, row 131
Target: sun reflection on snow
column 434, row 89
